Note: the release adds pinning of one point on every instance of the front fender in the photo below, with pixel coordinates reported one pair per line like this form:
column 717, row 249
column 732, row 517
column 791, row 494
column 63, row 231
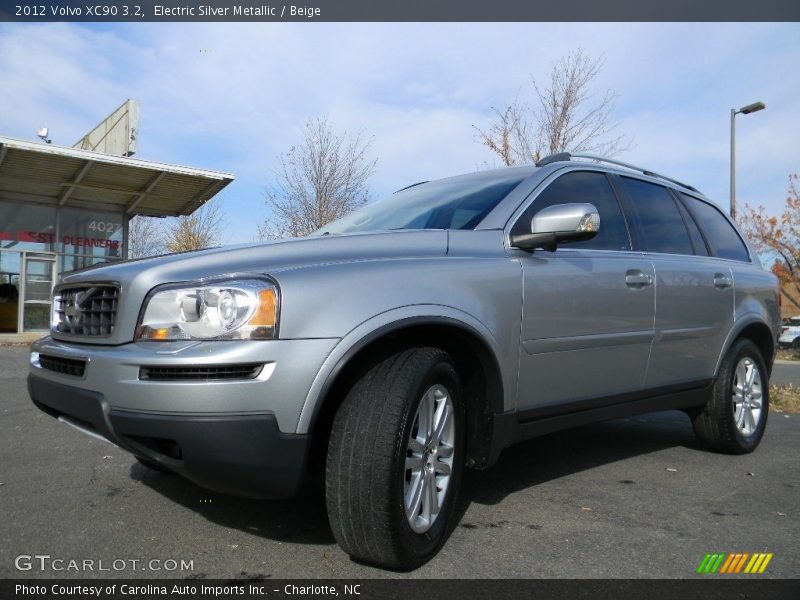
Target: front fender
column 394, row 320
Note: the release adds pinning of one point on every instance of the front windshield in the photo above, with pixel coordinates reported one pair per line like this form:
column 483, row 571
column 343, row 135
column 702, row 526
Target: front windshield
column 454, row 203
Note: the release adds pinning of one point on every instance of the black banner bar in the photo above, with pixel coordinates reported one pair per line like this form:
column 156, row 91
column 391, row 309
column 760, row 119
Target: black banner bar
column 706, row 588
column 399, row 10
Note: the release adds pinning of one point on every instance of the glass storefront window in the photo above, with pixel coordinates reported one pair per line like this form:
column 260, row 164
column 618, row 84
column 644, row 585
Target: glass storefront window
column 52, row 241
column 27, row 226
column 73, row 262
column 89, row 233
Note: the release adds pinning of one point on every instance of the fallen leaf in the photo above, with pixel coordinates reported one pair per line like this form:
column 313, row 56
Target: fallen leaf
column 671, row 470
column 586, row 509
column 780, row 514
column 752, row 474
column 107, row 456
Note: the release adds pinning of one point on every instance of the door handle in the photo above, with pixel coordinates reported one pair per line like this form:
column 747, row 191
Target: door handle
column 637, row 279
column 722, row 281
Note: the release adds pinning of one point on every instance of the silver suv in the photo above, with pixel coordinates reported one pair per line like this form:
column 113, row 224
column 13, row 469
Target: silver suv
column 421, row 334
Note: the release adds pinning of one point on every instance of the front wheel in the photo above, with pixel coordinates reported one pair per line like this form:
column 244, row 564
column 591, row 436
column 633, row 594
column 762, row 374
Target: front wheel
column 395, row 459
column 734, row 419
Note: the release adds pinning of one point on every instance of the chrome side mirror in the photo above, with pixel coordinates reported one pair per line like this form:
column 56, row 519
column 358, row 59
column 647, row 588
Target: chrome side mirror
column 559, row 224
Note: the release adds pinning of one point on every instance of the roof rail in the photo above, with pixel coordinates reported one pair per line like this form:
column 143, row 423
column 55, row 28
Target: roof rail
column 566, row 156
column 409, row 186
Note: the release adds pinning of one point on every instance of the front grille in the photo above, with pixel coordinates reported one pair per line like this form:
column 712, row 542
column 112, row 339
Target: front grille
column 202, row 373
column 89, row 310
column 65, row 366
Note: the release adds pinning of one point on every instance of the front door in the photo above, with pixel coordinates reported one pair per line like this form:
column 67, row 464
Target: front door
column 588, row 307
column 587, row 327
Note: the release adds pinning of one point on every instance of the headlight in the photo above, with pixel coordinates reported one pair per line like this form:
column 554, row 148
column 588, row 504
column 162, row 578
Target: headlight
column 236, row 309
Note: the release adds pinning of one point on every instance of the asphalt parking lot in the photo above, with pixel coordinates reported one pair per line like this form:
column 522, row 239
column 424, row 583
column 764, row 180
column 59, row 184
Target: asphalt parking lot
column 628, row 498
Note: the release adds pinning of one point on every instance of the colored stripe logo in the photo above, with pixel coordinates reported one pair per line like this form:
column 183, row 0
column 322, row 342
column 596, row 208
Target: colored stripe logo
column 734, row 562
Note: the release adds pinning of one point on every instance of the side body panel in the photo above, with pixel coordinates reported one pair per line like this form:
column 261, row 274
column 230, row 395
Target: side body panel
column 585, row 332
column 756, row 301
column 756, row 293
column 693, row 318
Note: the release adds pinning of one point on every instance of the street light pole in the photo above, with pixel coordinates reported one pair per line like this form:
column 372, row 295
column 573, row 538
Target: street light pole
column 745, row 110
column 733, row 164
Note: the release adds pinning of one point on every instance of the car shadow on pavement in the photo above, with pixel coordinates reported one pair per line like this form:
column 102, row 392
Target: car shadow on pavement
column 300, row 520
column 549, row 457
column 303, row 520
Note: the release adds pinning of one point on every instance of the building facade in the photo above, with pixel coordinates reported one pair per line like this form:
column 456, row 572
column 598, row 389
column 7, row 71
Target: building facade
column 64, row 209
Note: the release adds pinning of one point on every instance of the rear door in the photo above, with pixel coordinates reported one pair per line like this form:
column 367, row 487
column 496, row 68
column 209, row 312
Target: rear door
column 694, row 291
column 588, row 308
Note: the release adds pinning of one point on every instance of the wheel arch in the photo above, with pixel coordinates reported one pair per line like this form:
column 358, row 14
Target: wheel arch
column 471, row 349
column 756, row 330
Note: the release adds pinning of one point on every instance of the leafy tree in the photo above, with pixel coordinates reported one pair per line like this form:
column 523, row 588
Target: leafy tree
column 779, row 237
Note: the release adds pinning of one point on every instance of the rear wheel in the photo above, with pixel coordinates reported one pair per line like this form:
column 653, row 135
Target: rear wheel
column 734, row 419
column 395, row 459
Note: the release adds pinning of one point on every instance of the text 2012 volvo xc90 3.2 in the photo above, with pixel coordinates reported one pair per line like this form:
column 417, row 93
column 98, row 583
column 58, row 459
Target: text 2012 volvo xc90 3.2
column 418, row 335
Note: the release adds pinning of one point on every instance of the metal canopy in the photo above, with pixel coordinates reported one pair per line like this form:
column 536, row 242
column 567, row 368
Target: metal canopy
column 60, row 176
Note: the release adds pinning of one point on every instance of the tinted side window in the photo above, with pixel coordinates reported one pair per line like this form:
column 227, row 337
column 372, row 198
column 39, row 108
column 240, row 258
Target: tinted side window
column 660, row 223
column 577, row 187
column 696, row 236
column 721, row 235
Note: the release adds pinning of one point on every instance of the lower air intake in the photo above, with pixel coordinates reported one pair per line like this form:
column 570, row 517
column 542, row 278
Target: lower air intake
column 201, row 373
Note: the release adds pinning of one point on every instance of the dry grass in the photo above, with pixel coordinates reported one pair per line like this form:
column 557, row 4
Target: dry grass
column 784, row 398
column 788, row 354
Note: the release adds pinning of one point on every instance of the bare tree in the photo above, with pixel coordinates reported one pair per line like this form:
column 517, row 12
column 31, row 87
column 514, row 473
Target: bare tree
column 144, row 237
column 565, row 116
column 201, row 229
column 318, row 181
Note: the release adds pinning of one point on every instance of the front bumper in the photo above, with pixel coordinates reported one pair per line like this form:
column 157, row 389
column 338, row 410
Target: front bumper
column 235, row 435
column 244, row 455
column 281, row 388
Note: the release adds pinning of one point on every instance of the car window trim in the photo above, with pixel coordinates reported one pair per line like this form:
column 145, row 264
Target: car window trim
column 712, row 251
column 685, row 214
column 641, row 238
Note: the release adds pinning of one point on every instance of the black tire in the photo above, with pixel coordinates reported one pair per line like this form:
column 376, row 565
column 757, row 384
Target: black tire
column 152, row 466
column 715, row 424
column 796, row 343
column 365, row 471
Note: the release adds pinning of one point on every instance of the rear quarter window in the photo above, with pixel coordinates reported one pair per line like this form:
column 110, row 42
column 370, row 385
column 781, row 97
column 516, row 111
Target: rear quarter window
column 723, row 239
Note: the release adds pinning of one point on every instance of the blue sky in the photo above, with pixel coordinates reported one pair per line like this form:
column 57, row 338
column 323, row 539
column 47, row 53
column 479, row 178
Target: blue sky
column 234, row 96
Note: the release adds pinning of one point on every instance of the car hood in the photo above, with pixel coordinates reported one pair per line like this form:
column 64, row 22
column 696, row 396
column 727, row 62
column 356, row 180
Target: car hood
column 271, row 257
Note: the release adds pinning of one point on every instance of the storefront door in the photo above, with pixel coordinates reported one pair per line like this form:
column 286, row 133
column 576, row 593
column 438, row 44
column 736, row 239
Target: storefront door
column 37, row 285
